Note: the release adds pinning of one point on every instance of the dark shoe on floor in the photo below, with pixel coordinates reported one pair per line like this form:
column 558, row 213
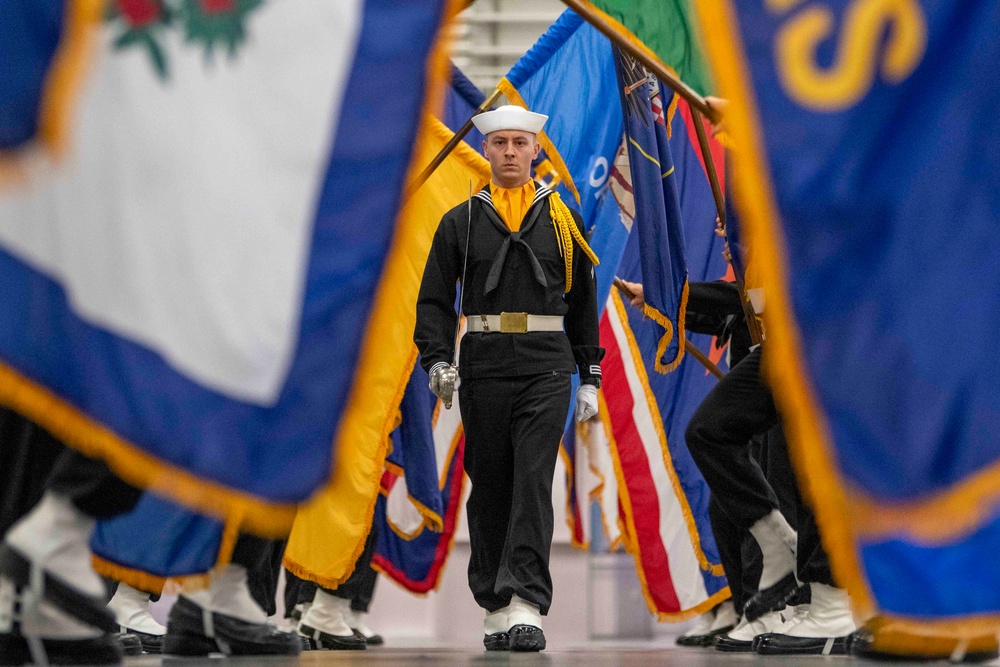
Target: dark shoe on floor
column 703, row 640
column 526, row 638
column 374, row 640
column 150, row 643
column 772, row 598
column 131, row 644
column 775, row 644
column 730, row 645
column 104, row 650
column 330, row 642
column 86, row 609
column 15, row 650
column 193, row 631
column 498, row 641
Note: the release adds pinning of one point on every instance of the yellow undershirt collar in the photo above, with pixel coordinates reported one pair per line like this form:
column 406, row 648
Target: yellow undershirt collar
column 513, row 203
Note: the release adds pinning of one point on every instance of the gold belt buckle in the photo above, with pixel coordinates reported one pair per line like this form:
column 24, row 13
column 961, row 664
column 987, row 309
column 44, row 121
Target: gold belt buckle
column 513, row 322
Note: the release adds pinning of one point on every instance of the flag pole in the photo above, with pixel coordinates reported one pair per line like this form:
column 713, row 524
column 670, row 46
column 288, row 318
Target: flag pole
column 450, row 146
column 685, row 343
column 756, row 335
column 699, row 108
column 654, row 65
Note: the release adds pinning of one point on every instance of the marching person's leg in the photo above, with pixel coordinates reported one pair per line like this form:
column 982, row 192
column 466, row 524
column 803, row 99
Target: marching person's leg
column 52, row 603
column 363, row 592
column 728, row 539
column 824, row 628
column 131, row 609
column 262, row 576
column 27, row 453
column 329, row 621
column 486, row 405
column 536, row 427
column 299, row 595
column 224, row 617
column 736, row 409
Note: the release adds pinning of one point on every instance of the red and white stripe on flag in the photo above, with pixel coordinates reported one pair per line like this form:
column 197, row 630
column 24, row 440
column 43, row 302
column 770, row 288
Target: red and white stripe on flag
column 657, row 519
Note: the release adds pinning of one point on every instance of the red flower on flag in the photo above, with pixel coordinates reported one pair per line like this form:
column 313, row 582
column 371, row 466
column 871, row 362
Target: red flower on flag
column 212, row 7
column 140, row 13
column 213, row 23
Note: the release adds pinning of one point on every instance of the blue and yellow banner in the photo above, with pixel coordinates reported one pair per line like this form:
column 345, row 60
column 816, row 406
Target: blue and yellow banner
column 865, row 144
column 160, row 540
column 658, row 228
column 200, row 284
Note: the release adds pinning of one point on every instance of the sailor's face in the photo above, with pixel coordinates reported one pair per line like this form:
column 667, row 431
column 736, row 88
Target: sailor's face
column 510, row 153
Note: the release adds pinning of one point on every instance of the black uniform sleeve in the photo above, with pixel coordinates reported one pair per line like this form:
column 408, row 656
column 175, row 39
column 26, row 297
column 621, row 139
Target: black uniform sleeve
column 581, row 319
column 710, row 306
column 434, row 333
column 719, row 297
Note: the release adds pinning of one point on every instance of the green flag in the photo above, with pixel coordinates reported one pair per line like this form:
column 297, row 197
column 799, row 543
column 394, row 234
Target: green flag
column 667, row 29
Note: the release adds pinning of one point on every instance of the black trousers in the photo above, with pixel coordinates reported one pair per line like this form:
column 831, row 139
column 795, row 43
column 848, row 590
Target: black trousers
column 748, row 481
column 719, row 435
column 27, row 456
column 262, row 559
column 359, row 587
column 38, row 462
column 813, row 563
column 92, row 487
column 513, row 426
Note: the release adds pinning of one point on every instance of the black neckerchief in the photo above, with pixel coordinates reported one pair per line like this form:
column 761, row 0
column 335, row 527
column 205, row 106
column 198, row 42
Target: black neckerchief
column 493, row 278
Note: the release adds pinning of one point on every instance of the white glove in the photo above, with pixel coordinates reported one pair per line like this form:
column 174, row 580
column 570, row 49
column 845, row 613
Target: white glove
column 442, row 383
column 586, row 402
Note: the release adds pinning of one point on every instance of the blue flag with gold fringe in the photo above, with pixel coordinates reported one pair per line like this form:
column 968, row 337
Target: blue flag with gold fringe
column 199, row 265
column 869, row 190
column 658, row 228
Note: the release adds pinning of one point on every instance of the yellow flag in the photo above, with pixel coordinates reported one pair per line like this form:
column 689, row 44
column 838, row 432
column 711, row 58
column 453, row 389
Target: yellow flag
column 329, row 532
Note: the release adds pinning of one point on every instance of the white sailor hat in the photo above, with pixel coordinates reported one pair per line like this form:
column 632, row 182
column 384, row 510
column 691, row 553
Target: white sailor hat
column 509, row 117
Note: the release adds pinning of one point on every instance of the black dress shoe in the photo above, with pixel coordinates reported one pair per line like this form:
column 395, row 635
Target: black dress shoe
column 323, row 640
column 703, row 640
column 193, row 631
column 150, row 643
column 526, row 638
column 497, row 641
column 772, row 598
column 103, row 650
column 374, row 640
column 730, row 645
column 775, row 644
column 131, row 644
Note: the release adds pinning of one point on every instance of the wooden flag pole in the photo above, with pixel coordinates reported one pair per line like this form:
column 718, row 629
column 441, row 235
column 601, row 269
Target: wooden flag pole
column 450, row 146
column 685, row 343
column 652, row 64
column 756, row 335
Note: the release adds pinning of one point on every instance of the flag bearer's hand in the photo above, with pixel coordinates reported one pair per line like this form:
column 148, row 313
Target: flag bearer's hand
column 443, row 378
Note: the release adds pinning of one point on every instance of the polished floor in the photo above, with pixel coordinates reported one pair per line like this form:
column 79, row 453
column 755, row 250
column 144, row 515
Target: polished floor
column 591, row 654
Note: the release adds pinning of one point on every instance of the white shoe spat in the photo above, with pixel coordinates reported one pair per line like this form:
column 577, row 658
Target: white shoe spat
column 328, row 614
column 131, row 610
column 829, row 614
